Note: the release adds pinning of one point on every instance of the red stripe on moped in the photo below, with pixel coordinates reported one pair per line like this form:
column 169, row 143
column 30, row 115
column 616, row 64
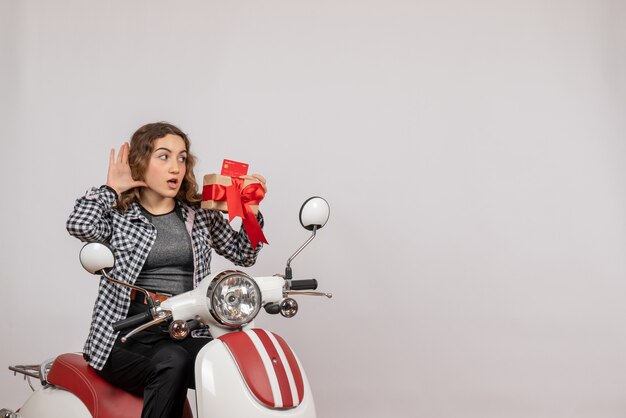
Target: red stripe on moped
column 249, row 355
column 293, row 365
column 250, row 366
column 279, row 368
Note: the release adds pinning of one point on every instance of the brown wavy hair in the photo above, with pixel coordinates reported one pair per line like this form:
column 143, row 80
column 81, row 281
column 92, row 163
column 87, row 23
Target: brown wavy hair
column 141, row 145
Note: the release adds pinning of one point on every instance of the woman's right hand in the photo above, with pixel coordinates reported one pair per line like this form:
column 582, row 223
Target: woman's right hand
column 120, row 177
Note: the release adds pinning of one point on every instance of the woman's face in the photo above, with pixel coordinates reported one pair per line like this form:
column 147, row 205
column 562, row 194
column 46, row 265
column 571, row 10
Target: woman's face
column 167, row 166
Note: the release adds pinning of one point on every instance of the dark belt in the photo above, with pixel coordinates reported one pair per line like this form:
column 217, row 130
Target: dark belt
column 140, row 297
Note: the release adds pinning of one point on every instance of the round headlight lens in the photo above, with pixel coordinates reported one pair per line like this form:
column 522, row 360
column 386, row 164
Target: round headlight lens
column 235, row 298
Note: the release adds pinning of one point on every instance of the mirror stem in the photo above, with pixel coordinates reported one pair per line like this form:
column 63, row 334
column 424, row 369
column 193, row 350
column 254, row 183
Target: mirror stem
column 288, row 274
column 139, row 289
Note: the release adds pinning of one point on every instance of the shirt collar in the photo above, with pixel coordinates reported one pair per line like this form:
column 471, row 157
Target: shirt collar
column 134, row 211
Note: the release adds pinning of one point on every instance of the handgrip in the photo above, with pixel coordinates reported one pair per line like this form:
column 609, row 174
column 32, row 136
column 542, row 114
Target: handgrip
column 303, row 284
column 132, row 321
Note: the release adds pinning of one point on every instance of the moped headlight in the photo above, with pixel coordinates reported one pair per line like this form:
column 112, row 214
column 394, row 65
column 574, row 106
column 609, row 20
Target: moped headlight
column 234, row 298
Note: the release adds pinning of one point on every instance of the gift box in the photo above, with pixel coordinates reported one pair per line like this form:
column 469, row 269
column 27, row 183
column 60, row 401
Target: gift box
column 214, row 192
column 237, row 197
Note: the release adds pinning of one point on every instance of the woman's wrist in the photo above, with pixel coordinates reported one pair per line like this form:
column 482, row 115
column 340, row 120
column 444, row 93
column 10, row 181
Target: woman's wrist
column 117, row 194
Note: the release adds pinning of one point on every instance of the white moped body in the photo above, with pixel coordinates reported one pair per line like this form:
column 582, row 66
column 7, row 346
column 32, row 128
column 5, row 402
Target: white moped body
column 245, row 372
column 52, row 401
column 221, row 388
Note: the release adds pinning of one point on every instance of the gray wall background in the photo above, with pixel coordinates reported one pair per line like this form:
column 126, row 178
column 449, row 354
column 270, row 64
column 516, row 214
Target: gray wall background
column 473, row 154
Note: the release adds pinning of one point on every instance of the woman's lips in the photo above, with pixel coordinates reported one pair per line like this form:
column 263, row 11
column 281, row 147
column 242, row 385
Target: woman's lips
column 173, row 183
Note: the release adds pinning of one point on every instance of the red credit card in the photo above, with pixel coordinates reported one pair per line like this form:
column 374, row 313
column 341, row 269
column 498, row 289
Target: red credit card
column 232, row 168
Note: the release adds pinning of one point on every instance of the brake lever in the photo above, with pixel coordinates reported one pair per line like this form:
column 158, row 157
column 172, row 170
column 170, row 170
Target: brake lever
column 304, row 293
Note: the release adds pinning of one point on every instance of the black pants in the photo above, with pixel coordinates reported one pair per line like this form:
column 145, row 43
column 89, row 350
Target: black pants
column 152, row 365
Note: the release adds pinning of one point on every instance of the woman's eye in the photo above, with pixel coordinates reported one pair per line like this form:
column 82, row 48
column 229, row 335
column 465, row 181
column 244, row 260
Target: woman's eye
column 182, row 159
column 163, row 156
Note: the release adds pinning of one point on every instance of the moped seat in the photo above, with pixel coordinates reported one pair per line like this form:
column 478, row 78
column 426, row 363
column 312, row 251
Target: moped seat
column 71, row 372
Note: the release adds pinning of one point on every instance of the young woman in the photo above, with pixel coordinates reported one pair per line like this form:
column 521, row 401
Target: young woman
column 148, row 212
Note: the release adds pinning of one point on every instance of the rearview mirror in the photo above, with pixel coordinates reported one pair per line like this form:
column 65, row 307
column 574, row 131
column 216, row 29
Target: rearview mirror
column 96, row 257
column 314, row 213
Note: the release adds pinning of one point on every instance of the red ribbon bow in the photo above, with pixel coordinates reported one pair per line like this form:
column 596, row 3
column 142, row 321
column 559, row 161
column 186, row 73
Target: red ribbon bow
column 239, row 199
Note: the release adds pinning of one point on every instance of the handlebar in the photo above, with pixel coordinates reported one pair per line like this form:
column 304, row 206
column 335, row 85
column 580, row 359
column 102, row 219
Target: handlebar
column 132, row 321
column 151, row 316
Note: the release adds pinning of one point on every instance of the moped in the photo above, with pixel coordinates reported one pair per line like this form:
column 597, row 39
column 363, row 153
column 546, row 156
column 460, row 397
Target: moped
column 244, row 372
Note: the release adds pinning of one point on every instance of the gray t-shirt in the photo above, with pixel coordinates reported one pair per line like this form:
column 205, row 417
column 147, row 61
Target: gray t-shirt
column 169, row 266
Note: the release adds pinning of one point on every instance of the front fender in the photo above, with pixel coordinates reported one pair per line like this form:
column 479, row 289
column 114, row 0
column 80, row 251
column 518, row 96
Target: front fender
column 251, row 373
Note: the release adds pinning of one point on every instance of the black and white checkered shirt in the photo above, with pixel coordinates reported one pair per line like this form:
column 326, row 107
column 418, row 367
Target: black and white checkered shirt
column 131, row 237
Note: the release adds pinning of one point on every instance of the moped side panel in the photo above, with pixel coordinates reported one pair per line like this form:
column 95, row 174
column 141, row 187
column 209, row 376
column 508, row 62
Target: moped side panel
column 53, row 402
column 222, row 392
